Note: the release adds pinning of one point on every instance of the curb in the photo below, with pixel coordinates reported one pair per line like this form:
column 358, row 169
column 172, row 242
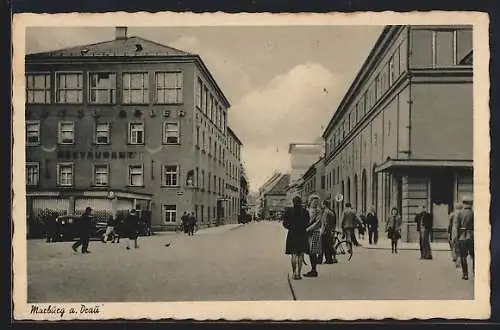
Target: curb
column 290, row 285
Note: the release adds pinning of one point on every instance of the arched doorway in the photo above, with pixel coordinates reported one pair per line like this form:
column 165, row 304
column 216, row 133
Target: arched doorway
column 363, row 191
column 356, row 192
column 348, row 196
column 374, row 188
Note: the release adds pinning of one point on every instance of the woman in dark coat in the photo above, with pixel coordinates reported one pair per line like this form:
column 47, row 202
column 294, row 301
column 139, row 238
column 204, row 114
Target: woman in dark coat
column 131, row 228
column 296, row 220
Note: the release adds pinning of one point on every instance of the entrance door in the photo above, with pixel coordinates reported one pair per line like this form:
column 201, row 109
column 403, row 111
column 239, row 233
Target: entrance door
column 442, row 185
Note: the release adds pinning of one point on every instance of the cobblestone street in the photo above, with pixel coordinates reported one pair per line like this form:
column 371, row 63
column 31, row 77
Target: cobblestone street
column 234, row 262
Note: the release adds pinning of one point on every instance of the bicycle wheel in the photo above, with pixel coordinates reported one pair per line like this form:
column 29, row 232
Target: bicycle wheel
column 343, row 251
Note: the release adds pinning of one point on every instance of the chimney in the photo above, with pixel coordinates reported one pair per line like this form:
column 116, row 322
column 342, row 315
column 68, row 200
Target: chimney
column 121, row 32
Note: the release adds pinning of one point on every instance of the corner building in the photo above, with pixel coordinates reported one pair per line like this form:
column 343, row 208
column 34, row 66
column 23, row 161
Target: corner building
column 127, row 123
column 402, row 135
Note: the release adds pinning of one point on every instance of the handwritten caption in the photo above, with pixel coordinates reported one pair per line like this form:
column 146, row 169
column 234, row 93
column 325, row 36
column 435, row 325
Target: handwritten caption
column 66, row 310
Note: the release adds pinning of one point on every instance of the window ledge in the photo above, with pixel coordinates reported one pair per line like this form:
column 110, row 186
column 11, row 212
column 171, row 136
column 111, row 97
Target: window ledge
column 172, row 144
column 135, row 144
column 132, row 186
column 65, row 144
column 32, row 144
column 170, row 187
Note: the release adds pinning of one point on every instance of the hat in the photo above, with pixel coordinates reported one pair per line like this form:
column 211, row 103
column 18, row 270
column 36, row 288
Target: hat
column 312, row 197
column 467, row 200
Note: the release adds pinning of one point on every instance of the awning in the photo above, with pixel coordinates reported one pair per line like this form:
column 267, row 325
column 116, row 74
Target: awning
column 395, row 164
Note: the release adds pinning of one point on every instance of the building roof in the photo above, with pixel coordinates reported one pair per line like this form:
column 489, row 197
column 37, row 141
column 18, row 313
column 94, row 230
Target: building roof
column 312, row 169
column 130, row 46
column 280, row 187
column 386, row 36
column 230, row 131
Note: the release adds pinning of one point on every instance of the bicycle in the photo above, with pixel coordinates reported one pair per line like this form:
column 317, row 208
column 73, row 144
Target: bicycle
column 343, row 248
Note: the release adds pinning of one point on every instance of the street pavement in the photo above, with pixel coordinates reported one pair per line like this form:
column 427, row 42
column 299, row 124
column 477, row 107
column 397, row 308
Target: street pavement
column 219, row 263
column 232, row 262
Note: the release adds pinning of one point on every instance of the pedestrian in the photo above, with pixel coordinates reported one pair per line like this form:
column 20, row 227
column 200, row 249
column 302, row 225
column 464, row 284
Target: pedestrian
column 348, row 224
column 452, row 232
column 131, row 228
column 314, row 232
column 51, row 226
column 328, row 224
column 84, row 228
column 110, row 229
column 296, row 220
column 185, row 223
column 194, row 223
column 372, row 226
column 362, row 226
column 465, row 236
column 424, row 228
column 393, row 229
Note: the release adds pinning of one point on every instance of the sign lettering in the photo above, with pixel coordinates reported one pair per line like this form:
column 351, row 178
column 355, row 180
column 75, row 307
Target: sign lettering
column 92, row 155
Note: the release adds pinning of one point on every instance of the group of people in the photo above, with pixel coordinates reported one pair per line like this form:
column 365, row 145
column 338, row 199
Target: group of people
column 461, row 235
column 129, row 229
column 311, row 230
column 189, row 223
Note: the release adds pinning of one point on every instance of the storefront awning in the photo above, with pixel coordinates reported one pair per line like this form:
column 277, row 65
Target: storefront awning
column 395, row 164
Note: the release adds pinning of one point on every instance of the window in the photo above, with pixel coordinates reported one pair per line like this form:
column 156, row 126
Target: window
column 199, row 93
column 220, row 185
column 202, row 179
column 204, row 100
column 444, row 48
column 209, row 181
column 170, row 176
column 38, row 88
column 66, row 132
column 32, row 132
column 101, row 174
column 102, row 88
column 169, row 213
column 169, row 87
column 197, row 136
column 203, row 145
column 69, row 87
column 211, row 108
column 463, row 44
column 209, row 144
column 217, row 114
column 135, row 88
column 65, row 174
column 392, row 73
column 223, row 121
column 136, row 133
column 197, row 177
column 102, row 133
column 171, row 133
column 135, row 175
column 32, row 174
column 215, row 183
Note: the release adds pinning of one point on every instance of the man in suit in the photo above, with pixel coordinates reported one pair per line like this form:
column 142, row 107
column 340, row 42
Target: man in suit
column 349, row 221
column 328, row 224
column 424, row 227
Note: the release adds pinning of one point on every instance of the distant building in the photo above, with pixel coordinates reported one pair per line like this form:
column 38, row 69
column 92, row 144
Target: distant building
column 272, row 198
column 313, row 181
column 129, row 123
column 402, row 135
column 302, row 155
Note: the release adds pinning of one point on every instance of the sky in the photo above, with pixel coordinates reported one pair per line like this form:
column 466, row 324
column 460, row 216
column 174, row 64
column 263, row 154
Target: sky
column 284, row 83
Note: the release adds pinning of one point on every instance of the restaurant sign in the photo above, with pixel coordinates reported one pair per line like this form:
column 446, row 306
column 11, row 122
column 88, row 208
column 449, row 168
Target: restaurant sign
column 93, row 155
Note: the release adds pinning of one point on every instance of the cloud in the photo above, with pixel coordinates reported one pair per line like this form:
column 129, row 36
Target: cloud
column 230, row 77
column 293, row 107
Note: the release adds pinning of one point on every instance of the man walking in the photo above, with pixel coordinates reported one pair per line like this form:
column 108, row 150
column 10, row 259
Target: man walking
column 372, row 224
column 424, row 227
column 51, row 226
column 452, row 232
column 465, row 236
column 328, row 224
column 348, row 224
column 84, row 228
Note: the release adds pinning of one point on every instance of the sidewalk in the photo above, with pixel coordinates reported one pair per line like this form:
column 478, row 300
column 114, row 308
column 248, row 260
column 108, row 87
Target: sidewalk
column 385, row 244
column 379, row 275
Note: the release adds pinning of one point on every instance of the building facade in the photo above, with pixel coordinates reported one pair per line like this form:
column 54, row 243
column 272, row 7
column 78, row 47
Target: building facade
column 302, row 155
column 402, row 135
column 313, row 181
column 126, row 123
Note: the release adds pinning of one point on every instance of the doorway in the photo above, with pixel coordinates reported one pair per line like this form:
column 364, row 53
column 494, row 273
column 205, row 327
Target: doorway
column 441, row 187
